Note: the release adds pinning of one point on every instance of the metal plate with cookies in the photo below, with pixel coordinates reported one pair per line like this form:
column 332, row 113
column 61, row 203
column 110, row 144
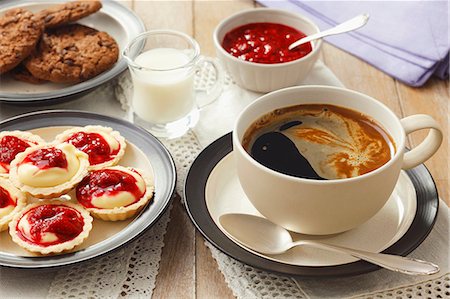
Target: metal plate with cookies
column 19, row 86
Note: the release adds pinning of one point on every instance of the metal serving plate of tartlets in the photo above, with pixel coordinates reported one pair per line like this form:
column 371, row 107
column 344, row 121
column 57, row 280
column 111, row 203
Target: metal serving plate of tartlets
column 143, row 151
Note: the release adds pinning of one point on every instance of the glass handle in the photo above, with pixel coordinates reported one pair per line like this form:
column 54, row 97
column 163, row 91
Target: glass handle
column 210, row 94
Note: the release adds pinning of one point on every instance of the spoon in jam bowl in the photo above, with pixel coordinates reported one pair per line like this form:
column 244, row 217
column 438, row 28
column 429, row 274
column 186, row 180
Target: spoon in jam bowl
column 350, row 25
column 263, row 236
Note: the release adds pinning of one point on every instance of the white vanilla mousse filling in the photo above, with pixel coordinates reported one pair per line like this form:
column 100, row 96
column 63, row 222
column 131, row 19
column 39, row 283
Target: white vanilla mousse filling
column 105, row 133
column 25, row 228
column 120, row 198
column 114, row 145
column 32, row 175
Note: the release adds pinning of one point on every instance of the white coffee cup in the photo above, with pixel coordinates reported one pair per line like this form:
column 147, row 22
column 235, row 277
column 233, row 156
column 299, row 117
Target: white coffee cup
column 328, row 206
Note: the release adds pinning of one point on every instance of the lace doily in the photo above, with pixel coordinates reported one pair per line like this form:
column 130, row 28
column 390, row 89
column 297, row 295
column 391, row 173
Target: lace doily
column 436, row 288
column 183, row 150
column 248, row 282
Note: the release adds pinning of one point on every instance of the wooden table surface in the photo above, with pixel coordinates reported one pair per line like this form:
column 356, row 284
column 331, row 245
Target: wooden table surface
column 187, row 269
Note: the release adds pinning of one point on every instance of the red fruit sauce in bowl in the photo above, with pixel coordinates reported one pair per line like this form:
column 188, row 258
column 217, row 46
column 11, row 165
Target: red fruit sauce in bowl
column 265, row 43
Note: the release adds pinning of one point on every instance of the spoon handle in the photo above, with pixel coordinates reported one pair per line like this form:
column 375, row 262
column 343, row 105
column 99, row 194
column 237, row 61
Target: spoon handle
column 349, row 25
column 388, row 261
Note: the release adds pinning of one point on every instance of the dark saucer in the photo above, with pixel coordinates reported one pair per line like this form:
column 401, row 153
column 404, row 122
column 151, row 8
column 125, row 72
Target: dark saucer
column 195, row 187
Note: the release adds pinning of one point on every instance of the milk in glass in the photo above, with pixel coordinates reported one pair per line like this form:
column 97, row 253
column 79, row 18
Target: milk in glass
column 164, row 87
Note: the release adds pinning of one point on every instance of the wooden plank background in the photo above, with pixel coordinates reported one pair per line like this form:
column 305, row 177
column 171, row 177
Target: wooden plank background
column 187, row 268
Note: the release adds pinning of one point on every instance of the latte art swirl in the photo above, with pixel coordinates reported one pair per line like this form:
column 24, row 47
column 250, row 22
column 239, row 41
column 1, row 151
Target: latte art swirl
column 319, row 142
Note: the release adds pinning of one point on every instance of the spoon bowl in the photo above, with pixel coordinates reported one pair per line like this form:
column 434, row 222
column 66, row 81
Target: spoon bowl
column 261, row 235
column 257, row 233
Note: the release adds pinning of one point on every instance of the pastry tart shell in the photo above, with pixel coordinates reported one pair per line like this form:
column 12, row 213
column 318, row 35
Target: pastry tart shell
column 53, row 191
column 60, row 138
column 21, row 202
column 24, row 135
column 122, row 213
column 57, row 248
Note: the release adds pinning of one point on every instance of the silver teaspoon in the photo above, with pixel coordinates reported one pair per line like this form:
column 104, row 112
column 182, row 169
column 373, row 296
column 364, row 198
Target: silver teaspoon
column 352, row 24
column 263, row 236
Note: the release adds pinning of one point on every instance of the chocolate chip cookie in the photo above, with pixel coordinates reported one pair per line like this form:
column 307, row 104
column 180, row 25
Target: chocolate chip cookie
column 21, row 73
column 72, row 54
column 68, row 12
column 20, row 30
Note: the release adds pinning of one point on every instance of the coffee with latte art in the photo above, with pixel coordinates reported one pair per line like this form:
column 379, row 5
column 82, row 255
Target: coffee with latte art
column 318, row 142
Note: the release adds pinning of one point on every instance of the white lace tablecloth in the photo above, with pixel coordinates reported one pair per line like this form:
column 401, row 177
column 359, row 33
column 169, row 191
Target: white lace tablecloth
column 131, row 271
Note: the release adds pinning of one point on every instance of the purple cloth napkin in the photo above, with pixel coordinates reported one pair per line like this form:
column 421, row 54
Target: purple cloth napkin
column 408, row 40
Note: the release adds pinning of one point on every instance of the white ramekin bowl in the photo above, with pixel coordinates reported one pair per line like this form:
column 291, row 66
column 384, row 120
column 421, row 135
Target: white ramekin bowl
column 266, row 77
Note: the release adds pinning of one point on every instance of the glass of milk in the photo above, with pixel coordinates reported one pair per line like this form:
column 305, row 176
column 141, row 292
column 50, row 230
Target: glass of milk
column 163, row 64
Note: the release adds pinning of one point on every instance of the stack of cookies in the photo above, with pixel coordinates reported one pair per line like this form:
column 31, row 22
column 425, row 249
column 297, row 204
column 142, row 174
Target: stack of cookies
column 48, row 46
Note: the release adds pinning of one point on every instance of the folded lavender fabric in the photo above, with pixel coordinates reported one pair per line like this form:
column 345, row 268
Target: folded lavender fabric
column 408, row 40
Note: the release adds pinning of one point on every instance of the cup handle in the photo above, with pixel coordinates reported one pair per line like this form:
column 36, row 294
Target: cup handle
column 209, row 95
column 428, row 146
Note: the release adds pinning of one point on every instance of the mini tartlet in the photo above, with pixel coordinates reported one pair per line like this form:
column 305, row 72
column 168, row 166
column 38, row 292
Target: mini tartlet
column 12, row 200
column 104, row 146
column 48, row 171
column 13, row 143
column 114, row 193
column 50, row 227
